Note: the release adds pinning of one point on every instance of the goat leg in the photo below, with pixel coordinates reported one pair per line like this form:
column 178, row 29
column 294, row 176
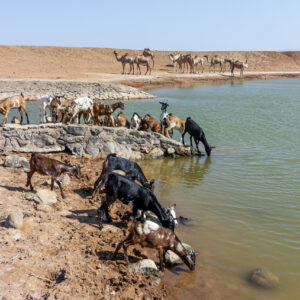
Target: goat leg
column 191, row 144
column 61, row 190
column 161, row 255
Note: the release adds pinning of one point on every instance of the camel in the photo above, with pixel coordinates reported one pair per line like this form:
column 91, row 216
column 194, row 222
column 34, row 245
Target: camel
column 125, row 59
column 239, row 65
column 176, row 60
column 187, row 61
column 215, row 61
column 147, row 53
column 196, row 61
column 144, row 61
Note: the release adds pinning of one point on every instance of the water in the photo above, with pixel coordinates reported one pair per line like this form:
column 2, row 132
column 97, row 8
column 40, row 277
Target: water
column 245, row 199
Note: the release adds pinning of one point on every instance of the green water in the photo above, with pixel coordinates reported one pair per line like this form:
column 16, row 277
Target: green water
column 245, row 199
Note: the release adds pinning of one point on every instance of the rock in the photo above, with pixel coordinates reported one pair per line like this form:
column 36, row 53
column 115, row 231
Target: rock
column 110, row 228
column 43, row 208
column 173, row 259
column 14, row 220
column 42, row 140
column 11, row 161
column 45, row 197
column 24, row 163
column 75, row 130
column 15, row 234
column 264, row 278
column 170, row 151
column 76, row 149
column 109, row 148
column 156, row 152
column 144, row 266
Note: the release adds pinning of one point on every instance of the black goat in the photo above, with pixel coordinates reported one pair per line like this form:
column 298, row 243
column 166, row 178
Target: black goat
column 197, row 133
column 122, row 188
column 132, row 170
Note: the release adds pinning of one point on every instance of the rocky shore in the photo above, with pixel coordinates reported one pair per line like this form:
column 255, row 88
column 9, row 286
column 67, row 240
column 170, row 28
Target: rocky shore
column 33, row 89
column 88, row 140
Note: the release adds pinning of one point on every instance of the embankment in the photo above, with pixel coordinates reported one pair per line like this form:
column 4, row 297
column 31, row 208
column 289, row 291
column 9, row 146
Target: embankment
column 33, row 89
column 88, row 140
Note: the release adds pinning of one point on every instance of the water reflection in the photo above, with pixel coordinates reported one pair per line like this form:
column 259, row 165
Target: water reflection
column 186, row 170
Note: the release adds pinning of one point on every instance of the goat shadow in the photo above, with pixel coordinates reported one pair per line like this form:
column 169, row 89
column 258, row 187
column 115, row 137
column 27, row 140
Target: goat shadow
column 84, row 193
column 90, row 217
column 106, row 255
column 17, row 189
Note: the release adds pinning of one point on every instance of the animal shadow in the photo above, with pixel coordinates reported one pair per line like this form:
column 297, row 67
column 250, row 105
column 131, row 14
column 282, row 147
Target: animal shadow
column 107, row 255
column 84, row 192
column 16, row 189
column 87, row 216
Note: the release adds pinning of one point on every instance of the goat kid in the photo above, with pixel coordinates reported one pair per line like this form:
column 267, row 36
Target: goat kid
column 136, row 121
column 132, row 170
column 197, row 133
column 124, row 189
column 151, row 124
column 48, row 166
column 150, row 234
column 12, row 103
column 121, row 120
column 84, row 105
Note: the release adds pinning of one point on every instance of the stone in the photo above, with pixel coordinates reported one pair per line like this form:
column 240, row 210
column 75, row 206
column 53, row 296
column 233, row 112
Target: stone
column 75, row 129
column 144, row 266
column 156, row 152
column 75, row 149
column 14, row 220
column 42, row 140
column 170, row 151
column 264, row 278
column 173, row 259
column 24, row 163
column 11, row 161
column 45, row 197
column 109, row 148
column 64, row 179
column 15, row 234
column 110, row 228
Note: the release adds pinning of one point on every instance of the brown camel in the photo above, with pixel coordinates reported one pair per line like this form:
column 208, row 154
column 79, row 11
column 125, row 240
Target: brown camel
column 144, row 61
column 148, row 53
column 125, row 59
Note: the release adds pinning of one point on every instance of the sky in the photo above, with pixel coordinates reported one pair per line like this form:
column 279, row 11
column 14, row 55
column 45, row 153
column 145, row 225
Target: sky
column 186, row 25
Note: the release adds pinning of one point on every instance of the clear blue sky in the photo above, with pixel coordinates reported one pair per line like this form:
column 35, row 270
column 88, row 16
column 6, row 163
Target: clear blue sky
column 157, row 24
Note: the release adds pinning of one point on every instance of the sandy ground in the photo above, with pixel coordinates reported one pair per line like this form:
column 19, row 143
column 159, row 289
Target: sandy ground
column 62, row 254
column 99, row 64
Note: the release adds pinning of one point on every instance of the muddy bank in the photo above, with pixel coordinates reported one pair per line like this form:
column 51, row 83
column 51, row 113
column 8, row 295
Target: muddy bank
column 59, row 252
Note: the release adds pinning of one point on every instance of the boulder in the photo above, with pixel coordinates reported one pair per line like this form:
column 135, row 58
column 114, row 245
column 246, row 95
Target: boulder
column 144, row 266
column 11, row 161
column 14, row 220
column 264, row 278
column 24, row 163
column 109, row 148
column 173, row 259
column 170, row 151
column 45, row 197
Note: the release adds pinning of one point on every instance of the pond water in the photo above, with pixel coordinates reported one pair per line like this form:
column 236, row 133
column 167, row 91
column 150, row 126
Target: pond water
column 244, row 201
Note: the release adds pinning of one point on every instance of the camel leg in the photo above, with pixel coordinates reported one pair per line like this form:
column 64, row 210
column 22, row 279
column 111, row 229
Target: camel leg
column 21, row 114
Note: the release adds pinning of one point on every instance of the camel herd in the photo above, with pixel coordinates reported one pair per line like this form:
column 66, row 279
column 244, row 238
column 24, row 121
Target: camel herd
column 182, row 63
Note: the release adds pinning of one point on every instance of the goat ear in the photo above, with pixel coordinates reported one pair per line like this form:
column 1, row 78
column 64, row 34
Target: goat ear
column 152, row 181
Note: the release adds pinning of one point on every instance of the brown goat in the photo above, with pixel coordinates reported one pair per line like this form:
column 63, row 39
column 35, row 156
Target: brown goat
column 100, row 109
column 150, row 234
column 48, row 166
column 58, row 108
column 151, row 124
column 11, row 103
column 174, row 122
column 121, row 121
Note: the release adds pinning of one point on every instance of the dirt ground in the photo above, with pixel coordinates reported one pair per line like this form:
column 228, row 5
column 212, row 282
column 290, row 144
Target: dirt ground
column 61, row 253
column 99, row 64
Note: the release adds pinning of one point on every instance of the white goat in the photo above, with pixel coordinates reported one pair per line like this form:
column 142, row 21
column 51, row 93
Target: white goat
column 43, row 103
column 79, row 105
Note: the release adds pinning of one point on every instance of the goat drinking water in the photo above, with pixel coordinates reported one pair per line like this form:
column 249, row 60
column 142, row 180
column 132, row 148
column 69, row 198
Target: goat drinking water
column 150, row 234
column 122, row 188
column 197, row 133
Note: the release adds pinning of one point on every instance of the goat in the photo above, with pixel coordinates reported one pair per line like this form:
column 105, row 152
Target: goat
column 124, row 189
column 84, row 104
column 58, row 107
column 15, row 120
column 136, row 121
column 150, row 234
column 150, row 124
column 132, row 170
column 101, row 109
column 174, row 122
column 43, row 103
column 11, row 103
column 197, row 133
column 48, row 166
column 121, row 120
column 163, row 116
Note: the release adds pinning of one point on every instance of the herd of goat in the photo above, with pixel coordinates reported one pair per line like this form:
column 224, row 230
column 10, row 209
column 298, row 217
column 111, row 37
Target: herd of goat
column 92, row 113
column 154, row 230
column 152, row 225
column 181, row 62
